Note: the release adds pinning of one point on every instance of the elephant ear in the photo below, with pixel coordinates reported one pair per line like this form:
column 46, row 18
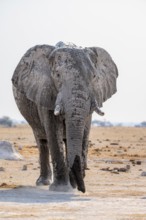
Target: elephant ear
column 32, row 76
column 105, row 74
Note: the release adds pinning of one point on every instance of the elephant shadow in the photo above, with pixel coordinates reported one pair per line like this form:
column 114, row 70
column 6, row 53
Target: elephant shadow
column 30, row 194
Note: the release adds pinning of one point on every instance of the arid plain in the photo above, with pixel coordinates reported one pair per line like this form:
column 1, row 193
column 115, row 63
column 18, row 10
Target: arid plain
column 115, row 179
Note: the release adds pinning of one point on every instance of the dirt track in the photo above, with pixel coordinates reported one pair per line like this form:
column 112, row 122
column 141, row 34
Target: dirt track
column 115, row 188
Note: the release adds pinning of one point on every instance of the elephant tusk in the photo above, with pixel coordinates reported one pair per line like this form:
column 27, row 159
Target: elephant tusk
column 94, row 107
column 98, row 111
column 57, row 110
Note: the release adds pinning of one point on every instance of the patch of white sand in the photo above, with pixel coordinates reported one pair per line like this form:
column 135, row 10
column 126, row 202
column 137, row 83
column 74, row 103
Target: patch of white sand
column 37, row 203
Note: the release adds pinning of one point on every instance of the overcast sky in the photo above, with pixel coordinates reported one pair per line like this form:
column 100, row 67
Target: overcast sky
column 119, row 26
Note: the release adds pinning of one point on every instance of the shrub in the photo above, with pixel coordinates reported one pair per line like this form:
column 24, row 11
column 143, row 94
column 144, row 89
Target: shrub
column 6, row 121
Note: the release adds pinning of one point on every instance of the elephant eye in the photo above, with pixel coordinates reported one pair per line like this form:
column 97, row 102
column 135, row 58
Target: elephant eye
column 58, row 75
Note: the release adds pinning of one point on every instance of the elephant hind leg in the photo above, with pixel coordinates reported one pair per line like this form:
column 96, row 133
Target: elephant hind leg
column 85, row 142
column 45, row 169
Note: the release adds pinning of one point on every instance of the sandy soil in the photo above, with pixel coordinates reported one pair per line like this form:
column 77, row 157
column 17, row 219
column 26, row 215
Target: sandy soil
column 116, row 190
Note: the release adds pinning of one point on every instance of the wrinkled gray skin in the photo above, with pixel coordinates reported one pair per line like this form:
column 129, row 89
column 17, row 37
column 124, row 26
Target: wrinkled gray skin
column 56, row 90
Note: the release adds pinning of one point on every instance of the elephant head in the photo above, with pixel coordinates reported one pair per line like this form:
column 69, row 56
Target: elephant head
column 71, row 81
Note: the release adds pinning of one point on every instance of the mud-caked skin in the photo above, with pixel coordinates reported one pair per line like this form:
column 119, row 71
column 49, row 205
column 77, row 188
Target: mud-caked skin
column 56, row 89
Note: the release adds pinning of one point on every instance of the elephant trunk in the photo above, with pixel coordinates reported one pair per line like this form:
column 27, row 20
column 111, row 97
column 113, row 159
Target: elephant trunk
column 74, row 102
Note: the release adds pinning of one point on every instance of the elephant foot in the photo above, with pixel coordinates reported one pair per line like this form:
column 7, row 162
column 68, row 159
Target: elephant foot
column 43, row 181
column 60, row 187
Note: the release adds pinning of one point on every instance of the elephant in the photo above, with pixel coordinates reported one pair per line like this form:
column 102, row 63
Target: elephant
column 56, row 89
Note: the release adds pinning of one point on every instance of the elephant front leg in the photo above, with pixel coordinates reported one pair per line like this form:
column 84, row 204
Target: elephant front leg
column 55, row 137
column 45, row 169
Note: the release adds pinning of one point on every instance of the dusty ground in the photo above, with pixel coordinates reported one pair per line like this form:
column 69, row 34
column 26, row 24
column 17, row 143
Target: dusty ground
column 115, row 188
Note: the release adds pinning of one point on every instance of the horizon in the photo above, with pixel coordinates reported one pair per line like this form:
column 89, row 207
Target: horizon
column 114, row 123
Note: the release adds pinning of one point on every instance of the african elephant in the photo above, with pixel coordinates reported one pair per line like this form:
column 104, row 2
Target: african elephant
column 57, row 88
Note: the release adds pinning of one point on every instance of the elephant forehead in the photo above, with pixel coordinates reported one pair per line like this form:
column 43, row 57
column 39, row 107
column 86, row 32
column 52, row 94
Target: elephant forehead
column 71, row 56
column 71, row 62
column 63, row 57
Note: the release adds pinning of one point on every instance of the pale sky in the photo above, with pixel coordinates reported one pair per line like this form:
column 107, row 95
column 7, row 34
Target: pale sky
column 118, row 26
